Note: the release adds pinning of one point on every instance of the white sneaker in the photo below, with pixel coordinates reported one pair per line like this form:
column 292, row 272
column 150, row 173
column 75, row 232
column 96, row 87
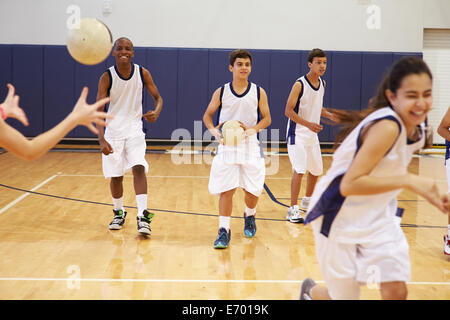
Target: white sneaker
column 305, row 203
column 446, row 244
column 294, row 215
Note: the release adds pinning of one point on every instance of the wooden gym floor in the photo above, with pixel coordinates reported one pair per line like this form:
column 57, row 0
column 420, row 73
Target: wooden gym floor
column 55, row 241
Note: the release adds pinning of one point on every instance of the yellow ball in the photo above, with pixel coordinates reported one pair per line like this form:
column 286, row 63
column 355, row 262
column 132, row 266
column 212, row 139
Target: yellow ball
column 91, row 43
column 232, row 133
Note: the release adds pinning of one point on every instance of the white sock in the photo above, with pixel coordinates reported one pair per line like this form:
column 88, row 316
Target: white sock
column 118, row 203
column 141, row 201
column 250, row 212
column 224, row 222
column 448, row 231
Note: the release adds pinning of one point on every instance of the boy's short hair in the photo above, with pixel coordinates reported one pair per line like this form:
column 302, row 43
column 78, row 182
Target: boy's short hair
column 239, row 53
column 316, row 53
column 123, row 38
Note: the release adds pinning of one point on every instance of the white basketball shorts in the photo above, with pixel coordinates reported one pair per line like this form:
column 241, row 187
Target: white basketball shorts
column 127, row 153
column 346, row 266
column 305, row 158
column 229, row 171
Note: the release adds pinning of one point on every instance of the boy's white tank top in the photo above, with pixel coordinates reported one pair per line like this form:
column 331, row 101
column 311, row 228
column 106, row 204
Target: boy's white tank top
column 244, row 108
column 125, row 105
column 309, row 107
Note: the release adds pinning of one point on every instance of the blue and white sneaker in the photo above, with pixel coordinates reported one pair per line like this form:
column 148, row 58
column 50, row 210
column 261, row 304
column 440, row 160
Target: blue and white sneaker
column 223, row 238
column 249, row 226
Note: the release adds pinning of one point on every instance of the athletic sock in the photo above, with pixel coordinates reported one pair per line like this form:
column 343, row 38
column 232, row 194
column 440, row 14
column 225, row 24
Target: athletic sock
column 250, row 212
column 118, row 203
column 224, row 222
column 141, row 201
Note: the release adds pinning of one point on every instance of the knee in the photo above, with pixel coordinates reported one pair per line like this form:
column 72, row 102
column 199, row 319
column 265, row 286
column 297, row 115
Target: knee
column 394, row 291
column 116, row 180
column 138, row 170
column 228, row 194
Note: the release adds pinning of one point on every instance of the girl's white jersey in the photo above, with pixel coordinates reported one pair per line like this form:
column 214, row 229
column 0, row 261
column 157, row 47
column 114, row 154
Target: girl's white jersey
column 244, row 108
column 125, row 104
column 309, row 107
column 360, row 219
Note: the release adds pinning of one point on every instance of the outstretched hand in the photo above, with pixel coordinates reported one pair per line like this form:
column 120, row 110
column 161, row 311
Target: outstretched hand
column 11, row 106
column 87, row 114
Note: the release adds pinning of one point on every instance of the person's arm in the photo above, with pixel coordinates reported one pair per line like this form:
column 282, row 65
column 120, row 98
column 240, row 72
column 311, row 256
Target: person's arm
column 209, row 113
column 152, row 115
column 444, row 126
column 291, row 114
column 376, row 142
column 102, row 92
column 82, row 114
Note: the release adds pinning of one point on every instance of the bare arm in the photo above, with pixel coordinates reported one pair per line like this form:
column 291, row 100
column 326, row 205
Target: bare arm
column 291, row 114
column 152, row 115
column 376, row 142
column 209, row 113
column 84, row 114
column 102, row 92
column 443, row 129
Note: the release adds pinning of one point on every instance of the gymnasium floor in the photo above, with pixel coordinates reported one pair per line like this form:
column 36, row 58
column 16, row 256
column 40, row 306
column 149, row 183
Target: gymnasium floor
column 55, row 241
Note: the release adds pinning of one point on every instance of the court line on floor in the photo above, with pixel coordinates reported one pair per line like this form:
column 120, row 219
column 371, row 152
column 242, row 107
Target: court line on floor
column 72, row 280
column 158, row 176
column 269, row 193
column 130, row 207
column 9, row 205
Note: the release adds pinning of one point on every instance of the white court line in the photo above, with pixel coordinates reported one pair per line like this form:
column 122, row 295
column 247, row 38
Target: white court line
column 71, row 279
column 9, row 205
column 181, row 177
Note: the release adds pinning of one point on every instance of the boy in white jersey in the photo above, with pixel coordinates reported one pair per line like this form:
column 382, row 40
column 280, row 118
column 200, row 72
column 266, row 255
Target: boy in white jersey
column 242, row 165
column 444, row 132
column 355, row 225
column 304, row 108
column 123, row 142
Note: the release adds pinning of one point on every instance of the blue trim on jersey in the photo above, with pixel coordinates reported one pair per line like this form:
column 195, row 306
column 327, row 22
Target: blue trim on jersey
column 131, row 74
column 358, row 141
column 329, row 204
column 240, row 95
column 220, row 106
column 399, row 212
column 310, row 84
column 108, row 91
column 447, row 149
column 422, row 133
column 144, row 129
column 293, row 124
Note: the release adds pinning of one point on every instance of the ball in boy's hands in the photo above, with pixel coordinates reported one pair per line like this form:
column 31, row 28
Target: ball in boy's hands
column 232, row 133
